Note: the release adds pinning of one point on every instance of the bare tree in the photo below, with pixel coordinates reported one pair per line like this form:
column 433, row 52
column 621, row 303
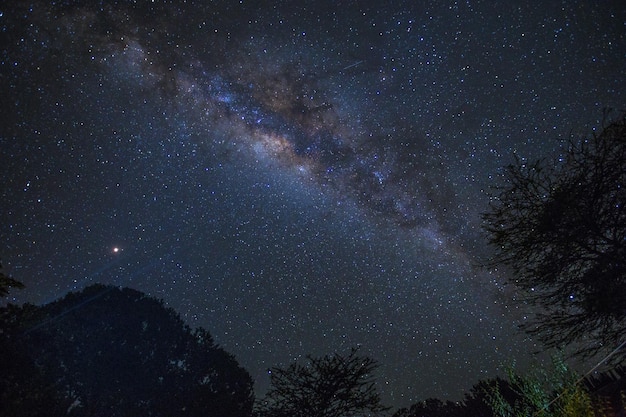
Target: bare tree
column 561, row 227
column 330, row 386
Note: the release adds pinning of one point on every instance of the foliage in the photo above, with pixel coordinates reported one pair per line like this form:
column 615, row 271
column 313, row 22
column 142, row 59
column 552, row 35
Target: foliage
column 545, row 392
column 7, row 282
column 330, row 386
column 115, row 352
column 557, row 393
column 561, row 227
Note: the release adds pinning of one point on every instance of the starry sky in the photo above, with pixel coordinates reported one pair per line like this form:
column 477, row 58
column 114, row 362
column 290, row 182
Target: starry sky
column 296, row 177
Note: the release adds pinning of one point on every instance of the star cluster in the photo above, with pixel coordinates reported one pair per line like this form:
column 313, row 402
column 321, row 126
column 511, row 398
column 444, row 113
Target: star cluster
column 297, row 178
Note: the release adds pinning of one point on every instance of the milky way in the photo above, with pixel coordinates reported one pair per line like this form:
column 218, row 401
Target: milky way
column 295, row 179
column 280, row 113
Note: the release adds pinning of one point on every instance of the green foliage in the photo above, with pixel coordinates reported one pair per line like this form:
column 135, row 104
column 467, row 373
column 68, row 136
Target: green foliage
column 560, row 226
column 330, row 386
column 542, row 393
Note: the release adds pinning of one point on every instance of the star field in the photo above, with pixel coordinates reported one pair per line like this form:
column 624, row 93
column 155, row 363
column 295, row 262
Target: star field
column 295, row 178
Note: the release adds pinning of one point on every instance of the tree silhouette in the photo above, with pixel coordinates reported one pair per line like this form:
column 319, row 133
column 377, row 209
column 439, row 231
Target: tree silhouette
column 330, row 386
column 432, row 407
column 561, row 227
column 476, row 402
column 115, row 352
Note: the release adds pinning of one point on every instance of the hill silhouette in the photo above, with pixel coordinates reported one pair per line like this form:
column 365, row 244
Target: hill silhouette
column 115, row 352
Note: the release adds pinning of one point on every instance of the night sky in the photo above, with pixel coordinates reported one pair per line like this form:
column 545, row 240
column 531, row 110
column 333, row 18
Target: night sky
column 295, row 177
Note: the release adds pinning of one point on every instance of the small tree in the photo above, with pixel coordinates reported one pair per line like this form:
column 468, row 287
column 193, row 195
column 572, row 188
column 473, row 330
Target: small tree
column 331, row 386
column 561, row 228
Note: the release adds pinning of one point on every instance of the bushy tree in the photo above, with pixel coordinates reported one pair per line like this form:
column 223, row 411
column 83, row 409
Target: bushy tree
column 560, row 226
column 330, row 386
